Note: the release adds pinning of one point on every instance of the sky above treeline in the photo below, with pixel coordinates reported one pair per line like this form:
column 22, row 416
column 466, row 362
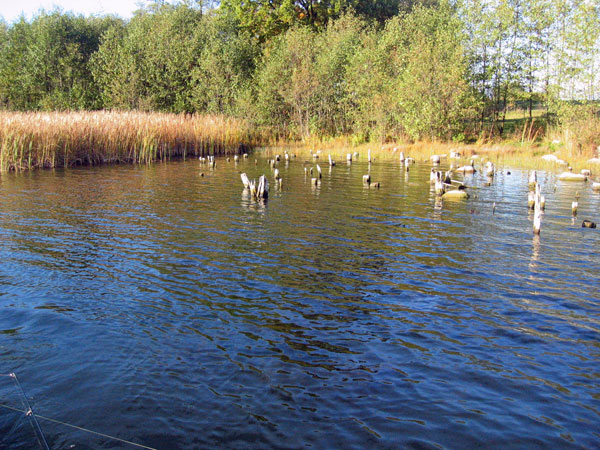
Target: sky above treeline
column 11, row 10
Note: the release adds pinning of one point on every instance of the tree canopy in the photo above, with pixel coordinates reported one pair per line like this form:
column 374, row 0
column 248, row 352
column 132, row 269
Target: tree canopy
column 373, row 69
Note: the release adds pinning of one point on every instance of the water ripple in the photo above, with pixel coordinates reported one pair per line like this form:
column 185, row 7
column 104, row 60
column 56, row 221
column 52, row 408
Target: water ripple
column 328, row 316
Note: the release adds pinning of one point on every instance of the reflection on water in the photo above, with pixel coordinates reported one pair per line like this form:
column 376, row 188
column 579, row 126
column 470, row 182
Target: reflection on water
column 171, row 309
column 535, row 253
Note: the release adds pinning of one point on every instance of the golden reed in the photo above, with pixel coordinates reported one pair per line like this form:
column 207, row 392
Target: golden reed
column 60, row 139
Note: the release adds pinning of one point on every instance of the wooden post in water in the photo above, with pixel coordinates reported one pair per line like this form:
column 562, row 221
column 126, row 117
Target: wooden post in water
column 537, row 211
column 531, row 200
column 532, row 179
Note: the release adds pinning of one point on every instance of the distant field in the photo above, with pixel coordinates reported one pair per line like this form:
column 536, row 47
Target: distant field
column 519, row 114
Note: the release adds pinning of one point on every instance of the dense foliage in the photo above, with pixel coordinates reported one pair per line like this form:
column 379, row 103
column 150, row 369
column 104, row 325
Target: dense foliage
column 371, row 69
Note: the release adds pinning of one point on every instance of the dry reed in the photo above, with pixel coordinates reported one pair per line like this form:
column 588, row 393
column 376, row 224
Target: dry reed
column 60, row 139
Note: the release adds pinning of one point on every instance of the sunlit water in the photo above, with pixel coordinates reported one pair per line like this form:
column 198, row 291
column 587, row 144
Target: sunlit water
column 168, row 309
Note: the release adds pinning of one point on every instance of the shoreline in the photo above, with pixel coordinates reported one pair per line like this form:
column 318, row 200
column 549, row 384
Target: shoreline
column 32, row 140
column 503, row 154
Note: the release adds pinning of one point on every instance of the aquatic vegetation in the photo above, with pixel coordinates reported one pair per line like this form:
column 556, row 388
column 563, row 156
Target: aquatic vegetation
column 61, row 139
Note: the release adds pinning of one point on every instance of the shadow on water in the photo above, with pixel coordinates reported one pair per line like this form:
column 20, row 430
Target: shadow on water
column 170, row 309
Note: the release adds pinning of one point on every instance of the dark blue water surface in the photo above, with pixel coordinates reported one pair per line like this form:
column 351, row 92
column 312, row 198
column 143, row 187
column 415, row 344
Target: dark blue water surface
column 168, row 309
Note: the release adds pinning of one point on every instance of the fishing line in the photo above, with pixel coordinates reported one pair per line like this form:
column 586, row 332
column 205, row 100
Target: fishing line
column 29, row 412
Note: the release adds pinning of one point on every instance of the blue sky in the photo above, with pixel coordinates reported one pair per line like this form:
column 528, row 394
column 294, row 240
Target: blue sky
column 11, row 10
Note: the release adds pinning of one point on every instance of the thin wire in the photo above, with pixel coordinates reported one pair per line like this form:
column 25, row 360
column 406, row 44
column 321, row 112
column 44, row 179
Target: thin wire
column 29, row 412
column 79, row 428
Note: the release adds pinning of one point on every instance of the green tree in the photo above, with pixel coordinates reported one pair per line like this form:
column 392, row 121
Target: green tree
column 336, row 47
column 286, row 82
column 225, row 66
column 265, row 19
column 45, row 63
column 148, row 63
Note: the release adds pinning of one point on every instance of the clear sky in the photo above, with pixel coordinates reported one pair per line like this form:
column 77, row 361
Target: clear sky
column 11, row 10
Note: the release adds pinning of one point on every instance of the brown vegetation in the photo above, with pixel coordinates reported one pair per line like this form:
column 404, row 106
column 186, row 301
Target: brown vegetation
column 30, row 140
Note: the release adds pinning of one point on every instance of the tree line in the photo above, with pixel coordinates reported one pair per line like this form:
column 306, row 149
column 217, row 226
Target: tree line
column 376, row 69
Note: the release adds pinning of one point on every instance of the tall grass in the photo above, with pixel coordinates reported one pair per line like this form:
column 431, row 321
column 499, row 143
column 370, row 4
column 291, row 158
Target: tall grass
column 60, row 139
column 509, row 154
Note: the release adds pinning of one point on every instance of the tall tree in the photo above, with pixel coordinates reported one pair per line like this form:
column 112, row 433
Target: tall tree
column 267, row 18
column 148, row 64
column 225, row 65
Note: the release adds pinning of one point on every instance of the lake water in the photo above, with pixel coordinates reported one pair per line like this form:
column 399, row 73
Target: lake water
column 168, row 309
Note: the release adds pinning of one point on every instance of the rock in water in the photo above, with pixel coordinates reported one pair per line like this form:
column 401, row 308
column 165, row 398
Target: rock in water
column 457, row 194
column 570, row 176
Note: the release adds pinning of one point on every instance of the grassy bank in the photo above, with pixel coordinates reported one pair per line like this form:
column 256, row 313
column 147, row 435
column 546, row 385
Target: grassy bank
column 507, row 153
column 33, row 140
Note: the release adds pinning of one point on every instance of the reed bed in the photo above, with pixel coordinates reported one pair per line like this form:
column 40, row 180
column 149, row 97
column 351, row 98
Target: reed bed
column 60, row 139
